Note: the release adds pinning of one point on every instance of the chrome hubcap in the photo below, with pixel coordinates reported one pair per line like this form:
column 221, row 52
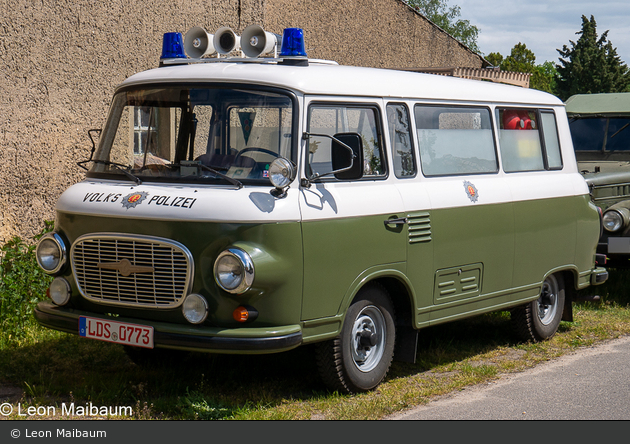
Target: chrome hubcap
column 548, row 301
column 368, row 336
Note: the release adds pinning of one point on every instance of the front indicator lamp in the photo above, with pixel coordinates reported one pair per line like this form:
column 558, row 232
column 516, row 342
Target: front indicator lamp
column 234, row 271
column 245, row 313
column 195, row 308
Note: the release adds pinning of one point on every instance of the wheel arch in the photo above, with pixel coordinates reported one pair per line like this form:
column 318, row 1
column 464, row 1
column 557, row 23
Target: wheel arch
column 397, row 286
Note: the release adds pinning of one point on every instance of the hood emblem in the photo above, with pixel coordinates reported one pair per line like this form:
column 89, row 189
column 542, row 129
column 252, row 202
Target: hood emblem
column 125, row 267
column 133, row 199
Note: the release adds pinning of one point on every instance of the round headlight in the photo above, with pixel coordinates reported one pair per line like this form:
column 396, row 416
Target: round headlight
column 281, row 172
column 51, row 253
column 195, row 309
column 59, row 291
column 613, row 221
column 234, row 271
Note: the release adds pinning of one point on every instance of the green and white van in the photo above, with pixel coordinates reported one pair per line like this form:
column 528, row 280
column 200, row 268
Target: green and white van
column 254, row 205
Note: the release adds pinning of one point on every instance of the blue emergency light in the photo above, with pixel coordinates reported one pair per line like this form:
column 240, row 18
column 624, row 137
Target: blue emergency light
column 292, row 43
column 173, row 46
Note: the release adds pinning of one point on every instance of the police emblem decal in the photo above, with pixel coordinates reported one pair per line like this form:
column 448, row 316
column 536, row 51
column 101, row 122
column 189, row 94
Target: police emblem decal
column 134, row 199
column 471, row 190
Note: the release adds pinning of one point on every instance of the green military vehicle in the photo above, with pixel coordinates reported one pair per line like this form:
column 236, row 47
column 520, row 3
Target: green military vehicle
column 600, row 129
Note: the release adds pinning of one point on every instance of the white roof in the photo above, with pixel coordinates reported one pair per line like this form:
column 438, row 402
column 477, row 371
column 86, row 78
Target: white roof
column 345, row 80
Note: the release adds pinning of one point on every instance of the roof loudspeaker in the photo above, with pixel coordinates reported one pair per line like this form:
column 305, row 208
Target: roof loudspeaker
column 225, row 40
column 199, row 43
column 256, row 41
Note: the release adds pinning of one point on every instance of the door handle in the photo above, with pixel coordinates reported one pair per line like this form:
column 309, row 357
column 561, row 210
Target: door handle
column 396, row 222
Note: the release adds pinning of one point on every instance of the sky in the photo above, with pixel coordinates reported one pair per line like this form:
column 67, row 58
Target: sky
column 545, row 26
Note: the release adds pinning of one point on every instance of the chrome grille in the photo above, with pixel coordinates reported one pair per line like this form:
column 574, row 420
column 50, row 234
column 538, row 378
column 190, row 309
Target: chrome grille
column 139, row 271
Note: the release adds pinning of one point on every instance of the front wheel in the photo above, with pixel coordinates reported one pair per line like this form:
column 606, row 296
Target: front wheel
column 360, row 357
column 539, row 319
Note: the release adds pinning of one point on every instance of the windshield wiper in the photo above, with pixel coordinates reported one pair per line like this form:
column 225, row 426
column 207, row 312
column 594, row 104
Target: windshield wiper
column 120, row 167
column 222, row 176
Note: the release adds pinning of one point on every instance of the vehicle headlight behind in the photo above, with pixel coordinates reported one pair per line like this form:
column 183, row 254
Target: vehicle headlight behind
column 51, row 253
column 234, row 271
column 613, row 221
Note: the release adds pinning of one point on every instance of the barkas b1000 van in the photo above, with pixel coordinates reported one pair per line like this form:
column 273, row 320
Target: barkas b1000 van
column 257, row 204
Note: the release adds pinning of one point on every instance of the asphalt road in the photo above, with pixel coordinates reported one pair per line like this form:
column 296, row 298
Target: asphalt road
column 591, row 384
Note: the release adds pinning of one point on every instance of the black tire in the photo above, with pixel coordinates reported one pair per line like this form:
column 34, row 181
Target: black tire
column 539, row 319
column 359, row 358
column 157, row 357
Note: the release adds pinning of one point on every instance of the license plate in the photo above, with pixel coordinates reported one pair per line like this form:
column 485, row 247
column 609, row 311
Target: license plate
column 619, row 245
column 117, row 332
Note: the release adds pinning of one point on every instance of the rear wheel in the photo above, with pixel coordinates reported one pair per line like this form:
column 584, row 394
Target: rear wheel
column 359, row 359
column 539, row 319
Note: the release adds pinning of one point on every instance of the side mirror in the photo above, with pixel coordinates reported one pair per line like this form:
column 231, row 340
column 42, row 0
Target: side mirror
column 347, row 156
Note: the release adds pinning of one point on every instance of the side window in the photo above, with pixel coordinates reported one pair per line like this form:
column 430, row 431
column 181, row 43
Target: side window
column 519, row 140
column 333, row 119
column 528, row 140
column 455, row 140
column 550, row 137
column 400, row 138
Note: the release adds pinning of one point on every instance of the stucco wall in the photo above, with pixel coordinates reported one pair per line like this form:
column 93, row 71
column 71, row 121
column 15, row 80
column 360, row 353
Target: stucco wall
column 62, row 60
column 375, row 33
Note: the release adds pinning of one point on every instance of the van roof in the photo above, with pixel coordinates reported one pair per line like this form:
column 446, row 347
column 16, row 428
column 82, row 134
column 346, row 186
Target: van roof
column 593, row 105
column 327, row 78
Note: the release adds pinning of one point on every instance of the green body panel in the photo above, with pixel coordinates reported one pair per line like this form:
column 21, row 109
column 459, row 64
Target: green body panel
column 337, row 251
column 546, row 238
column 275, row 248
column 479, row 234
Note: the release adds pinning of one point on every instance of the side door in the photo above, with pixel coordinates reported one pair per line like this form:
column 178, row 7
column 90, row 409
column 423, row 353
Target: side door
column 345, row 237
column 471, row 217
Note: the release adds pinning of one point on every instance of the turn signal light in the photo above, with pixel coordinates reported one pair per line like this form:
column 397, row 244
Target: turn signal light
column 245, row 314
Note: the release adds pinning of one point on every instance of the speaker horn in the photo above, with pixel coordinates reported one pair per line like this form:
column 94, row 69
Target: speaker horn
column 198, row 43
column 257, row 41
column 225, row 40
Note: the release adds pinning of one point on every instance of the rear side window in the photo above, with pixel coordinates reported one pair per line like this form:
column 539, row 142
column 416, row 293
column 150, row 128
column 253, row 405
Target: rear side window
column 455, row 140
column 528, row 140
column 401, row 140
column 333, row 119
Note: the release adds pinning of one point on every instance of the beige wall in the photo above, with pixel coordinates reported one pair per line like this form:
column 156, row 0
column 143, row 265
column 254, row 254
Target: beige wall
column 376, row 33
column 62, row 60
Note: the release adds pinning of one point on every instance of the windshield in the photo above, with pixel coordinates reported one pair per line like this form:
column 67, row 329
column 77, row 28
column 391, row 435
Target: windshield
column 195, row 134
column 600, row 134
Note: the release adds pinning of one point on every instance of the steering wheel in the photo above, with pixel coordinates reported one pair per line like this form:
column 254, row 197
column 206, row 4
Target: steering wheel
column 255, row 148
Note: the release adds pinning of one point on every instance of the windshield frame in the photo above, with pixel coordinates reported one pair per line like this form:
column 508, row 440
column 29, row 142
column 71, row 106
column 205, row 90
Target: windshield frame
column 113, row 120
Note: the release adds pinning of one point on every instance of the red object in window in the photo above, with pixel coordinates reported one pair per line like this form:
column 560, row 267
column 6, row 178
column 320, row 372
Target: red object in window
column 516, row 120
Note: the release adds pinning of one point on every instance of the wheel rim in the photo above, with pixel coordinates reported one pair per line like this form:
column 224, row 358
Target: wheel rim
column 548, row 301
column 368, row 338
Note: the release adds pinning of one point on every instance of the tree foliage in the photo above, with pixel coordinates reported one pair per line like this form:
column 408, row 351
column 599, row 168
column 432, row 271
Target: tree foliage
column 590, row 65
column 522, row 59
column 448, row 19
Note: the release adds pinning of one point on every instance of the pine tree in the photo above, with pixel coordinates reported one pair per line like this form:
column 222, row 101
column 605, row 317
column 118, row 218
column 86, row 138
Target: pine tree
column 590, row 65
